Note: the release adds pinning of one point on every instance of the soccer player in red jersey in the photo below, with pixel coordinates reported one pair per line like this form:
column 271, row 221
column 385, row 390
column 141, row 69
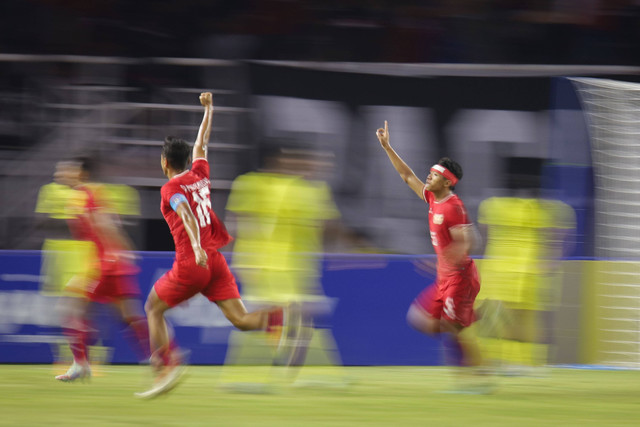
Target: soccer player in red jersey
column 447, row 305
column 198, row 267
column 113, row 278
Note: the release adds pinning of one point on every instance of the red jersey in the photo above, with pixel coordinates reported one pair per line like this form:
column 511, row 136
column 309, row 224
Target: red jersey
column 444, row 215
column 192, row 185
column 82, row 228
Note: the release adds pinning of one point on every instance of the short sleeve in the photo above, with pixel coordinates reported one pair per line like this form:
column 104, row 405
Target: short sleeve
column 457, row 216
column 200, row 167
column 123, row 199
column 328, row 210
column 168, row 191
column 242, row 195
column 428, row 195
column 484, row 210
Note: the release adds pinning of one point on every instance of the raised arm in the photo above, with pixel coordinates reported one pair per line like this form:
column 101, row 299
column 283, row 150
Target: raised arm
column 193, row 231
column 403, row 169
column 200, row 146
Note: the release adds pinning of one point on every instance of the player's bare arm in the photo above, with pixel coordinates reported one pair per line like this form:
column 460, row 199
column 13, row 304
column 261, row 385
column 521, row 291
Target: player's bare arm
column 406, row 173
column 193, row 231
column 462, row 241
column 200, row 146
column 110, row 232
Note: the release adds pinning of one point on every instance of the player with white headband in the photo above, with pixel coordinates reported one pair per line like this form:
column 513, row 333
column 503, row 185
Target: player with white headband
column 447, row 306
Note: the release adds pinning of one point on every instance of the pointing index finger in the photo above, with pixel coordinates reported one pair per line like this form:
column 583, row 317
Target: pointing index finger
column 386, row 127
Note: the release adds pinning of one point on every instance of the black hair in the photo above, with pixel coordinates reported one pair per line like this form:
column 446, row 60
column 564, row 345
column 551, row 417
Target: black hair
column 524, row 172
column 87, row 163
column 267, row 155
column 454, row 167
column 177, row 152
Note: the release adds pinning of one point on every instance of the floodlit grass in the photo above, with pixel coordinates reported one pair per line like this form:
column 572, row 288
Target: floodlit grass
column 376, row 396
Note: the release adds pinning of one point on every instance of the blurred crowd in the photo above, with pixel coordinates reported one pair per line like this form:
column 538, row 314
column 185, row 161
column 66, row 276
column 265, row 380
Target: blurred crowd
column 452, row 31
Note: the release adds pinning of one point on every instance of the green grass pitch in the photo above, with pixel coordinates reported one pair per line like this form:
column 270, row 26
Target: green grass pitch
column 375, row 396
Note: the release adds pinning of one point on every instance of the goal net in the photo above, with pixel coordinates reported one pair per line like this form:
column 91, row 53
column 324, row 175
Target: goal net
column 612, row 110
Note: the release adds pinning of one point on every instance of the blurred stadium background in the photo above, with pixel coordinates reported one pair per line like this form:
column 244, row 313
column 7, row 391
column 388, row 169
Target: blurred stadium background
column 533, row 98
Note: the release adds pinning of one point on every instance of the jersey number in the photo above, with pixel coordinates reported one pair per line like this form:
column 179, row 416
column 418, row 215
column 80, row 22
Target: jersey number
column 201, row 197
column 450, row 308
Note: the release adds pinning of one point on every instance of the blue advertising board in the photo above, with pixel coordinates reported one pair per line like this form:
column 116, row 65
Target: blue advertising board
column 370, row 294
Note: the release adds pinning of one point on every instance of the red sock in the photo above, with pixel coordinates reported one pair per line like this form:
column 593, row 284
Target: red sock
column 165, row 352
column 139, row 336
column 78, row 332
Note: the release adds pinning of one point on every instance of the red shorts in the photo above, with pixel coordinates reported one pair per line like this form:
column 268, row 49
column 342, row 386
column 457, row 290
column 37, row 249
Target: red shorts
column 452, row 298
column 110, row 288
column 185, row 279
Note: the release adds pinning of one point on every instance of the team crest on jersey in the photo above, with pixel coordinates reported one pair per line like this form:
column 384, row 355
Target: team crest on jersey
column 438, row 219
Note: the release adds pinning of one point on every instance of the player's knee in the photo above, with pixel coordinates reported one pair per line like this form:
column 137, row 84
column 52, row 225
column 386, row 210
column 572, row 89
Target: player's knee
column 148, row 307
column 422, row 321
column 152, row 308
